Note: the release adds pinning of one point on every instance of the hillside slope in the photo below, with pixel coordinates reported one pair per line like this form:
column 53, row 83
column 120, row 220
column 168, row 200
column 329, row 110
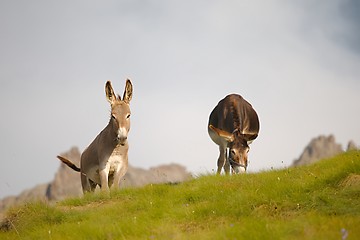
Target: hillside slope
column 66, row 182
column 308, row 202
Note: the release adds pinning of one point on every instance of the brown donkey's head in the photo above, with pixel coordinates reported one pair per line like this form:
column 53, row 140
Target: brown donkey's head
column 238, row 152
column 120, row 111
column 238, row 148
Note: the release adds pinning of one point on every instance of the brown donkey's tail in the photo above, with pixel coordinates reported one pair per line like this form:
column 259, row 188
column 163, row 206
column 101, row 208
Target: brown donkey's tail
column 69, row 163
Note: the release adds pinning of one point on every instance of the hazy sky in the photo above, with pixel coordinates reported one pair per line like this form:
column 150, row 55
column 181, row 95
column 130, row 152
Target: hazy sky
column 297, row 62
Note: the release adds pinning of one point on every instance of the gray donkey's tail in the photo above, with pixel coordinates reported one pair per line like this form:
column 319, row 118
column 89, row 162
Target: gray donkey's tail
column 69, row 163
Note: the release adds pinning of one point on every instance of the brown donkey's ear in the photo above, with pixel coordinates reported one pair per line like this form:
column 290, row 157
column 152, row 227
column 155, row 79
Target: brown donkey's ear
column 229, row 137
column 128, row 91
column 110, row 95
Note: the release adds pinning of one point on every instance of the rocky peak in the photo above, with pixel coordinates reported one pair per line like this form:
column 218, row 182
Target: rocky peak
column 351, row 146
column 319, row 148
column 66, row 182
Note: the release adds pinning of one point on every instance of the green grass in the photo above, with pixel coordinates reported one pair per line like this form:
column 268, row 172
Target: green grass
column 310, row 202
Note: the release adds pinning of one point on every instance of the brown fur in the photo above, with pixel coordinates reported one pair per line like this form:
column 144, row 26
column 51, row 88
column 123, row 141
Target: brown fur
column 233, row 124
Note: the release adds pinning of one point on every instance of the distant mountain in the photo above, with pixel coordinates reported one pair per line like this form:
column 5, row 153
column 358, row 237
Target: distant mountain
column 320, row 148
column 66, row 182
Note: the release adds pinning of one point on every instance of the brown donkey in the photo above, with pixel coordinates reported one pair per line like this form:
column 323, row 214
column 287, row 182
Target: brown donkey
column 233, row 124
column 105, row 161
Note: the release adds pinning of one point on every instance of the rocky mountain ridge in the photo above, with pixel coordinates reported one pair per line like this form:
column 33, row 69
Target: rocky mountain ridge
column 321, row 147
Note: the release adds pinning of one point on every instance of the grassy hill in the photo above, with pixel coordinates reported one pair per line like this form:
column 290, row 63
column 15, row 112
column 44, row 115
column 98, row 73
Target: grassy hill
column 321, row 201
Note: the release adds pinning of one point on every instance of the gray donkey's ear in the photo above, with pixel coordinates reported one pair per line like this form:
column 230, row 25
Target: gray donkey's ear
column 128, row 91
column 110, row 95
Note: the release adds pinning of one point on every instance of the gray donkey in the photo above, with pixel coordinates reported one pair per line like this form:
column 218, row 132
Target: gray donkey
column 105, row 161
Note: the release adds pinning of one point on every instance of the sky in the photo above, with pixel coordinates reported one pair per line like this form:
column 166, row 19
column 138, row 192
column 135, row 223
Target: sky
column 297, row 62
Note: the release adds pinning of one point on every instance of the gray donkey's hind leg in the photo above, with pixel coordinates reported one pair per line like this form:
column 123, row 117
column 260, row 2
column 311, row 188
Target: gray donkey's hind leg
column 87, row 184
